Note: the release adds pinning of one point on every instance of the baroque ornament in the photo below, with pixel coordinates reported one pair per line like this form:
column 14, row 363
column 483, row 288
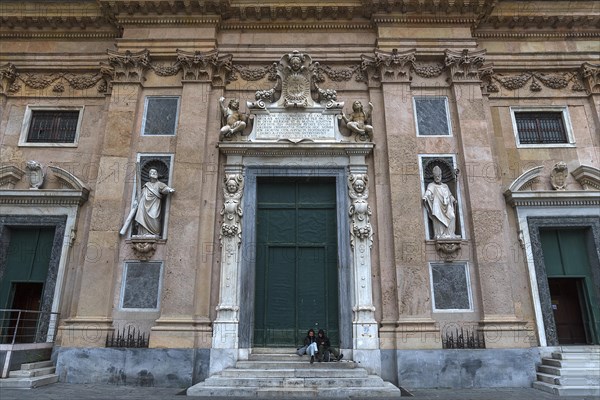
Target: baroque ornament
column 361, row 231
column 233, row 189
column 464, row 65
column 35, row 174
column 558, row 176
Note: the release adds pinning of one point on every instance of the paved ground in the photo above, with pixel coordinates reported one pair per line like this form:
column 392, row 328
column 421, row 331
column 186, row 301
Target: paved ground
column 64, row 391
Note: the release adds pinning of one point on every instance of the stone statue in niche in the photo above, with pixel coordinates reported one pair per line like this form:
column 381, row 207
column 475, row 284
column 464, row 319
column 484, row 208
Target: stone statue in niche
column 441, row 207
column 358, row 121
column 149, row 205
column 233, row 188
column 234, row 120
column 35, row 174
column 146, row 209
column 359, row 209
column 558, row 176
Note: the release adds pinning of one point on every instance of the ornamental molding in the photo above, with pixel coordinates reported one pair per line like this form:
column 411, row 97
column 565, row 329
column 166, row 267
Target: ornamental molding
column 279, row 149
column 65, row 188
column 524, row 191
column 536, row 80
column 12, row 80
column 588, row 177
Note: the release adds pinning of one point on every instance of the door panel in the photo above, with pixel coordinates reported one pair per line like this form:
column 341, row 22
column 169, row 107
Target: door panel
column 565, row 295
column 296, row 261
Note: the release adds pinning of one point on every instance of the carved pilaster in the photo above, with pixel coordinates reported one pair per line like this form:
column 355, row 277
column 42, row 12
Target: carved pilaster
column 128, row 66
column 206, row 66
column 591, row 76
column 226, row 325
column 464, row 65
column 361, row 238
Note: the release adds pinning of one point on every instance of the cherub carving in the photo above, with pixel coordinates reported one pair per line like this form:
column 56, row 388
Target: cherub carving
column 234, row 120
column 358, row 121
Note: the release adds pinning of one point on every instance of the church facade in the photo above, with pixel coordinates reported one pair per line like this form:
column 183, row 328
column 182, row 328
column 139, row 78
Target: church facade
column 182, row 182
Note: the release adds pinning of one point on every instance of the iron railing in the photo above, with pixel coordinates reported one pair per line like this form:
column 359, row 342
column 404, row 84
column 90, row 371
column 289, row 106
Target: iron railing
column 27, row 326
column 463, row 339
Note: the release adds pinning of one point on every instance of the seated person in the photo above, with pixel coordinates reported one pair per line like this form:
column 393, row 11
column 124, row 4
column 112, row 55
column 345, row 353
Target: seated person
column 325, row 346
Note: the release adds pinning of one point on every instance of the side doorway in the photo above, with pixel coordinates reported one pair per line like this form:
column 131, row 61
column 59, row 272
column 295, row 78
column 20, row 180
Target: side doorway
column 23, row 282
column 573, row 294
column 296, row 284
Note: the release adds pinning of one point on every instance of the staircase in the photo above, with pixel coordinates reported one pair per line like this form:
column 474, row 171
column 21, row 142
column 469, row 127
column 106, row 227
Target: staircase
column 572, row 371
column 282, row 374
column 30, row 375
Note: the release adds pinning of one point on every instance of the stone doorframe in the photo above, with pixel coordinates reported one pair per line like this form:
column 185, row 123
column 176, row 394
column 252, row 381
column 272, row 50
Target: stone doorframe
column 233, row 327
column 56, row 203
column 537, row 207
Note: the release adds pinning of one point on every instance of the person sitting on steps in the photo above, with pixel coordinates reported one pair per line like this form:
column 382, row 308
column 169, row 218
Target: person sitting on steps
column 325, row 346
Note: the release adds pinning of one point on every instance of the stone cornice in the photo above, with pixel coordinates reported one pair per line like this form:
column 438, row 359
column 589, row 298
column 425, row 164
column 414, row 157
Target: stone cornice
column 269, row 149
column 553, row 198
column 45, row 197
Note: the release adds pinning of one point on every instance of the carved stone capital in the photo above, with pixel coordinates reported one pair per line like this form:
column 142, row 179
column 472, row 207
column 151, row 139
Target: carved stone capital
column 128, row 66
column 207, row 66
column 591, row 76
column 464, row 65
column 8, row 74
column 394, row 66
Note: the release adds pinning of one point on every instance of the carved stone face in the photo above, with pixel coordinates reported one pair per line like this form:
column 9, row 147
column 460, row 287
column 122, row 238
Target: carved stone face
column 231, row 186
column 437, row 175
column 234, row 104
column 295, row 63
column 357, row 106
column 153, row 173
column 359, row 186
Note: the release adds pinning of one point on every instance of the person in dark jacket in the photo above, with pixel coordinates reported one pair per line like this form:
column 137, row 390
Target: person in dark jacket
column 325, row 346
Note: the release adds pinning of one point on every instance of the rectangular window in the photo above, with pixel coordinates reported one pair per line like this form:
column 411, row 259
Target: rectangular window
column 51, row 126
column 141, row 285
column 451, row 286
column 432, row 116
column 160, row 115
column 542, row 126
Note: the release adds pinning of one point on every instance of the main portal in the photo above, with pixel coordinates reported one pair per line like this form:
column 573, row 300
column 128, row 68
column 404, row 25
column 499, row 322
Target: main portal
column 296, row 286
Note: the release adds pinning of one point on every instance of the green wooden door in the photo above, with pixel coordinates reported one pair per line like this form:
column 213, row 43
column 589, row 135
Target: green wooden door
column 23, row 281
column 566, row 257
column 296, row 261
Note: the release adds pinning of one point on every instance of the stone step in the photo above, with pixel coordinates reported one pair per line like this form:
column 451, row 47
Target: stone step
column 37, row 365
column 274, row 350
column 295, row 373
column 387, row 390
column 548, row 369
column 370, row 381
column 568, row 380
column 568, row 390
column 576, row 356
column 580, row 349
column 28, row 373
column 28, row 383
column 571, row 363
column 298, row 364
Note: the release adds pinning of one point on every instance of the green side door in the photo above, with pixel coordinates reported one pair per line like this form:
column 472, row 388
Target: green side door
column 296, row 261
column 567, row 262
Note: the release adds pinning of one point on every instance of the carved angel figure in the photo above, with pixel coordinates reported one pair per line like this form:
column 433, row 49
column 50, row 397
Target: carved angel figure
column 234, row 120
column 358, row 121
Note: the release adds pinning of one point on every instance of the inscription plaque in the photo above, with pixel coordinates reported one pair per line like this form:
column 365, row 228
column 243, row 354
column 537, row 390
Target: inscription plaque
column 294, row 126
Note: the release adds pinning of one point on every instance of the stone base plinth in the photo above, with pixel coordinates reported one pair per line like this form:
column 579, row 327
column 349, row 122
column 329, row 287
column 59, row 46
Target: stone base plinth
column 84, row 332
column 418, row 333
column 181, row 333
column 506, row 332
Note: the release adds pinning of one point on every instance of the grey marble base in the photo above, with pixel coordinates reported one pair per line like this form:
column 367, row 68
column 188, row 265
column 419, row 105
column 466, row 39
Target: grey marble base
column 461, row 369
column 178, row 368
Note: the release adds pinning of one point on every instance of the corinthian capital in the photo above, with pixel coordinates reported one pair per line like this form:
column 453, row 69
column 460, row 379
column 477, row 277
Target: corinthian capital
column 591, row 76
column 464, row 65
column 128, row 66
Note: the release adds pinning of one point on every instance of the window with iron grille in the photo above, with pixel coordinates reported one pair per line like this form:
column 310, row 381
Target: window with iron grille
column 53, row 126
column 546, row 127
